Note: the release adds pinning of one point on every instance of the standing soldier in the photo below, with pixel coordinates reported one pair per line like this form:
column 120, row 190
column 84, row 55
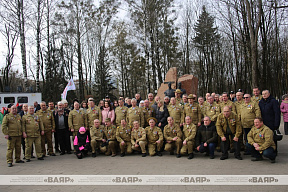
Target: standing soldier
column 227, row 102
column 178, row 99
column 206, row 98
column 110, row 133
column 123, row 136
column 202, row 105
column 120, row 112
column 155, row 137
column 189, row 130
column 212, row 110
column 248, row 112
column 173, row 135
column 138, row 138
column 52, row 108
column 97, row 137
column 193, row 110
column 256, row 95
column 217, row 99
column 76, row 119
column 92, row 113
column 176, row 112
column 151, row 99
column 47, row 119
column 31, row 127
column 11, row 128
column 228, row 125
column 25, row 112
column 135, row 114
column 184, row 99
column 147, row 112
column 238, row 103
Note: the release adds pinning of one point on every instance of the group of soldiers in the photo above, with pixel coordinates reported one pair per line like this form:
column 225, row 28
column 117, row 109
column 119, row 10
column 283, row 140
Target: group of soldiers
column 191, row 126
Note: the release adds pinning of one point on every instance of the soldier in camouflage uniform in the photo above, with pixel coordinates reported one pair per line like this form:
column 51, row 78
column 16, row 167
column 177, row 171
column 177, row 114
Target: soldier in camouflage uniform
column 138, row 138
column 123, row 136
column 11, row 128
column 32, row 126
column 47, row 118
column 97, row 137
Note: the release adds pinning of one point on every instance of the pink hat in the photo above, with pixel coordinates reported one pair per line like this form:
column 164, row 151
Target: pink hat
column 82, row 129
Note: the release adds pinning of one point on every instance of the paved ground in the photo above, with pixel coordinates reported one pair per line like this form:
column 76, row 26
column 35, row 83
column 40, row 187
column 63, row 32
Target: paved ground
column 137, row 165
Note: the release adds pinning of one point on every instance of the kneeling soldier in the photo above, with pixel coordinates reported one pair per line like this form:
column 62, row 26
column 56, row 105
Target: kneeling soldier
column 173, row 135
column 155, row 137
column 123, row 136
column 206, row 138
column 138, row 138
column 260, row 141
column 110, row 133
column 189, row 130
column 97, row 137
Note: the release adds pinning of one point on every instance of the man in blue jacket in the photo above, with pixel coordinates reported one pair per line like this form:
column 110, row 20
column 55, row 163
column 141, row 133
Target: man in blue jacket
column 270, row 111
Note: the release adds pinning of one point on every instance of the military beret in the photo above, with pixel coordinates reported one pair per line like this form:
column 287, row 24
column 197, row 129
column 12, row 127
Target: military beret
column 108, row 120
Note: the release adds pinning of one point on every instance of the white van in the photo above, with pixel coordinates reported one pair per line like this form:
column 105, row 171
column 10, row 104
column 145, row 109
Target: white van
column 20, row 98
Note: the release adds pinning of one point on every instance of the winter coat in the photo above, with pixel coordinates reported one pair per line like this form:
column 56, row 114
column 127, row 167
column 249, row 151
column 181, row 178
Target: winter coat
column 284, row 110
column 270, row 112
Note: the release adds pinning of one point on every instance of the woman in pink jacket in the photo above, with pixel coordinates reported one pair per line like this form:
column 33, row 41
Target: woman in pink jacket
column 284, row 110
column 108, row 112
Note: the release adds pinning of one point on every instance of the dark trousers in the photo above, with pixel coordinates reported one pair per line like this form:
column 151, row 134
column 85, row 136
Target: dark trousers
column 209, row 149
column 23, row 146
column 64, row 140
column 286, row 128
column 269, row 152
column 81, row 153
column 226, row 144
column 246, row 131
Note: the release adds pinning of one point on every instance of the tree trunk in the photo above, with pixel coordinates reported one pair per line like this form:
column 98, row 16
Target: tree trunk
column 21, row 22
column 79, row 57
column 253, row 40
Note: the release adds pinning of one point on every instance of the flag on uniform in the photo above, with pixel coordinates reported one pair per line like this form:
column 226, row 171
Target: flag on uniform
column 70, row 86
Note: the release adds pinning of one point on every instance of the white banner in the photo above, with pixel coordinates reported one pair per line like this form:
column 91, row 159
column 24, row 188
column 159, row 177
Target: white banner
column 70, row 86
column 143, row 180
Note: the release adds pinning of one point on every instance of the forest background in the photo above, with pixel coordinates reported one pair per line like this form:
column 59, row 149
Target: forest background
column 119, row 48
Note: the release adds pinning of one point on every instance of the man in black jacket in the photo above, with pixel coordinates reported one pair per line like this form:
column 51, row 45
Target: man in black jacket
column 270, row 111
column 62, row 129
column 206, row 138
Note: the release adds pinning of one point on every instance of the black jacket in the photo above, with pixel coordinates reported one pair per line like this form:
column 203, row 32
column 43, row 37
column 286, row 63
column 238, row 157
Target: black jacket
column 56, row 118
column 21, row 113
column 162, row 116
column 206, row 134
column 270, row 112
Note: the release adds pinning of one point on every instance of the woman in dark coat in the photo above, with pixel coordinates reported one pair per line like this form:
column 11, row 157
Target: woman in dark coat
column 161, row 115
